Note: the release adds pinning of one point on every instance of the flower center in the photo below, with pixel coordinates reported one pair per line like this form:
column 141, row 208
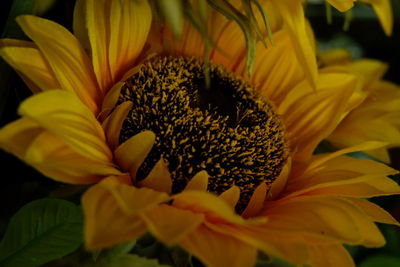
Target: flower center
column 225, row 128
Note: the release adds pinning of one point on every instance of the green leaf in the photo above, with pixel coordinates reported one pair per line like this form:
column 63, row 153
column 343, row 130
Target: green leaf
column 41, row 231
column 380, row 260
column 173, row 12
column 132, row 260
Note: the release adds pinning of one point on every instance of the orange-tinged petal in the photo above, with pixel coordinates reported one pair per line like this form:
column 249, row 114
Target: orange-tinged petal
column 330, row 255
column 113, row 124
column 66, row 57
column 276, row 68
column 293, row 15
column 70, row 120
column 383, row 9
column 129, row 25
column 170, row 224
column 231, row 196
column 232, row 45
column 214, row 208
column 106, row 224
column 30, row 62
column 316, row 113
column 216, row 249
column 198, row 182
column 159, row 178
column 131, row 154
column 374, row 212
column 256, row 202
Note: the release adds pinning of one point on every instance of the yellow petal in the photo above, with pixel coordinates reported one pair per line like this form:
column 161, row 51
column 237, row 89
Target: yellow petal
column 327, row 217
column 334, row 57
column 61, row 113
column 284, row 245
column 79, row 23
column 132, row 200
column 342, row 5
column 280, row 183
column 214, row 208
column 131, row 154
column 340, row 175
column 319, row 160
column 30, row 62
column 17, row 136
column 293, row 15
column 215, row 249
column 330, row 255
column 276, row 68
column 383, row 9
column 66, row 57
column 98, row 30
column 54, row 158
column 129, row 25
column 111, row 99
column 169, row 224
column 317, row 113
column 106, row 224
column 256, row 202
column 231, row 196
column 159, row 178
column 232, row 45
column 198, row 182
column 113, row 124
column 374, row 212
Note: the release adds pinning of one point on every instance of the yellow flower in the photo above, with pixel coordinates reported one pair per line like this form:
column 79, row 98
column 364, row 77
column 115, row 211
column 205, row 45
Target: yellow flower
column 123, row 105
column 377, row 106
column 382, row 8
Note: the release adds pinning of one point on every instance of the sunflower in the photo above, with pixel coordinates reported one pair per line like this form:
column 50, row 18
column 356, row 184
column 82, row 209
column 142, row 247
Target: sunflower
column 223, row 168
column 376, row 114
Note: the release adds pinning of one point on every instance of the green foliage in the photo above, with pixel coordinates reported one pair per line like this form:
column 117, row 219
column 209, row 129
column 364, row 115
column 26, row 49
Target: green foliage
column 173, row 12
column 41, row 231
column 380, row 260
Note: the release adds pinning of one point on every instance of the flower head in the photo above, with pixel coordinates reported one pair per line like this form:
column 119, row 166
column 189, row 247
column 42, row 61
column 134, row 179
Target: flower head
column 223, row 169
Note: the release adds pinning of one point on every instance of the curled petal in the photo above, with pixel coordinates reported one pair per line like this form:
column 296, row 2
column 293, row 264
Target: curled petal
column 113, row 124
column 159, row 178
column 131, row 154
column 198, row 182
column 256, row 202
column 231, row 196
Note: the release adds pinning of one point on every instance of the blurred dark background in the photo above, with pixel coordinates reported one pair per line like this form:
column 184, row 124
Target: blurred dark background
column 365, row 37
